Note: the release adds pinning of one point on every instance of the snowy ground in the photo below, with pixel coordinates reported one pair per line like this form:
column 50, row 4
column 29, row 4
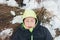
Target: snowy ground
column 51, row 5
column 12, row 3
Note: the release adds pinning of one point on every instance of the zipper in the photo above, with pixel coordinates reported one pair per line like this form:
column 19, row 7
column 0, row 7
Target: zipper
column 31, row 37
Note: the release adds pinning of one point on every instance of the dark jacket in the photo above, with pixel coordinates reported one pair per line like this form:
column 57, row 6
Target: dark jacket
column 39, row 33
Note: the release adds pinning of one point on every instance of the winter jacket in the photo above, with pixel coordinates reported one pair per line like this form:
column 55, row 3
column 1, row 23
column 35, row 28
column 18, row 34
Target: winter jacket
column 39, row 33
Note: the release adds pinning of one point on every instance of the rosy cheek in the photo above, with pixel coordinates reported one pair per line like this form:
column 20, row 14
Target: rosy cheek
column 26, row 23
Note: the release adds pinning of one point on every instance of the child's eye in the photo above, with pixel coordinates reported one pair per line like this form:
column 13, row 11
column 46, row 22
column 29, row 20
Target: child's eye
column 27, row 20
column 33, row 20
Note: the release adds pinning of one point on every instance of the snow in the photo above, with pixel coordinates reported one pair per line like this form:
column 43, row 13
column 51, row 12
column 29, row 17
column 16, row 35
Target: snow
column 53, row 7
column 32, row 4
column 58, row 2
column 57, row 38
column 12, row 3
column 2, row 1
column 13, row 13
column 49, row 5
column 55, row 22
column 6, row 33
column 25, row 1
column 17, row 19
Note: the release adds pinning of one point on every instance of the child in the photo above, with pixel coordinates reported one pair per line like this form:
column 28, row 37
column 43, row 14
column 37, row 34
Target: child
column 31, row 29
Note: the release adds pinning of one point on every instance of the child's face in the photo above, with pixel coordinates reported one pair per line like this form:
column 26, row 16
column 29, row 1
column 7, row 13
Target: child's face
column 29, row 22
